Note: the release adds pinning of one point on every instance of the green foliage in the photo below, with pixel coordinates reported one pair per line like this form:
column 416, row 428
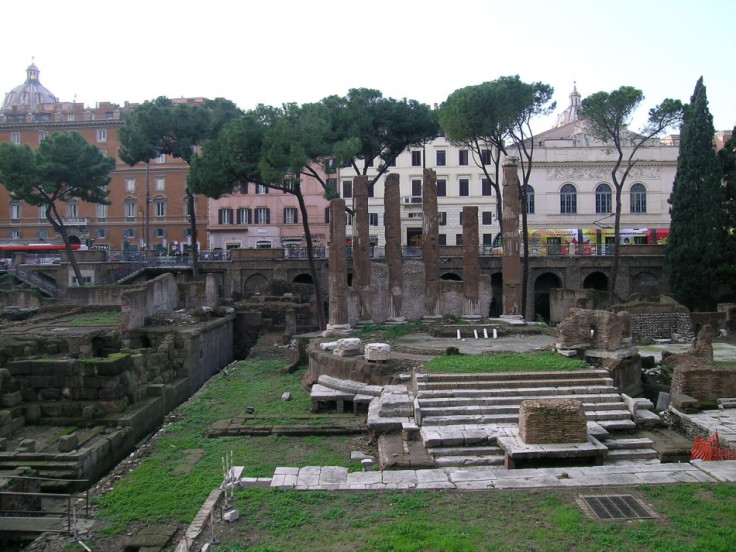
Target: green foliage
column 507, row 362
column 95, row 319
column 699, row 225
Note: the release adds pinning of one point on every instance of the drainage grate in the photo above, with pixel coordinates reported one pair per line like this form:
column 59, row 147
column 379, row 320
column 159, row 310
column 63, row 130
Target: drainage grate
column 616, row 507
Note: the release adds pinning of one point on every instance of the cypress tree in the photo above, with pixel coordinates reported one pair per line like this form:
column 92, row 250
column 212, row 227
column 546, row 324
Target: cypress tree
column 695, row 249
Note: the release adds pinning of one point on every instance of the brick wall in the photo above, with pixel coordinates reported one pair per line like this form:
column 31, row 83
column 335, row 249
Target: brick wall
column 704, row 384
column 552, row 421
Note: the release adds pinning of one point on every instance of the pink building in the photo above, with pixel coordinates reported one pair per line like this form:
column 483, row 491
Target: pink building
column 256, row 217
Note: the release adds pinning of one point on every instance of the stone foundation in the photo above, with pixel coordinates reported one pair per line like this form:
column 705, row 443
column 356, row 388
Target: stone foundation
column 705, row 384
column 552, row 421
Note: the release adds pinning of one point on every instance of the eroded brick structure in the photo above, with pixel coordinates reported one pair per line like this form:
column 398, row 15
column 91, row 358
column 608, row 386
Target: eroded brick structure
column 471, row 263
column 431, row 250
column 361, row 248
column 392, row 210
column 338, row 322
column 511, row 261
column 552, row 421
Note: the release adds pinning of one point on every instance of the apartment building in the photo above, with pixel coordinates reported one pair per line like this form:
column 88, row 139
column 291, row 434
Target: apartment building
column 147, row 204
column 570, row 185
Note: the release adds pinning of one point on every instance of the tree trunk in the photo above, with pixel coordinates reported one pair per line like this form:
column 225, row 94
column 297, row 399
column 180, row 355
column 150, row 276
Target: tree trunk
column 56, row 223
column 310, row 257
column 193, row 232
column 616, row 240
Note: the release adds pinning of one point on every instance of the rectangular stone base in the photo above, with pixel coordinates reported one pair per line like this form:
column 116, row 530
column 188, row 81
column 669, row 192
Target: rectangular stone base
column 519, row 452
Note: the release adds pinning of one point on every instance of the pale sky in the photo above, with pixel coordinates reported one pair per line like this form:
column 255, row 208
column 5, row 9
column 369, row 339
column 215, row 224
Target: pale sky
column 276, row 51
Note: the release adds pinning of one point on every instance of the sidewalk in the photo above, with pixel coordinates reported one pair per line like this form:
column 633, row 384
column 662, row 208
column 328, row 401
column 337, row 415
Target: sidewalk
column 332, row 478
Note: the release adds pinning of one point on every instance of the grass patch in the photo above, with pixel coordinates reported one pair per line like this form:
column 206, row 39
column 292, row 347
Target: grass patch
column 439, row 521
column 161, row 490
column 507, row 362
column 95, row 319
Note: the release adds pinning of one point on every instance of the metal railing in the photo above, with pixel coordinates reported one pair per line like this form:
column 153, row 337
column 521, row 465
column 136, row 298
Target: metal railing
column 33, row 279
column 40, row 511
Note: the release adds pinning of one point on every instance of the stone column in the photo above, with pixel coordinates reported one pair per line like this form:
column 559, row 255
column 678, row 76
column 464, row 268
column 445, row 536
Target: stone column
column 361, row 249
column 338, row 323
column 471, row 263
column 511, row 264
column 431, row 246
column 392, row 222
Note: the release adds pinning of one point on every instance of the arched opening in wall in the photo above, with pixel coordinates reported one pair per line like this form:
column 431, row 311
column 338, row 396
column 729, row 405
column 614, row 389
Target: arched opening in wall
column 74, row 240
column 496, row 308
column 303, row 279
column 98, row 347
column 451, row 276
column 255, row 284
column 596, row 280
column 647, row 284
column 542, row 287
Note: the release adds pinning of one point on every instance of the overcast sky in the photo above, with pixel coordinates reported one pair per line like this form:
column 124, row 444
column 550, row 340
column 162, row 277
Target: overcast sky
column 276, row 51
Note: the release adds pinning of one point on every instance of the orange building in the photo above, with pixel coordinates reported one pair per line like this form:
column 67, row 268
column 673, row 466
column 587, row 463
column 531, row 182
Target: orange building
column 147, row 203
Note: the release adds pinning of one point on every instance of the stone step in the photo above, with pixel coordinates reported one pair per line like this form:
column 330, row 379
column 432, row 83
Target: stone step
column 441, row 402
column 500, row 376
column 476, row 409
column 621, row 444
column 531, row 392
column 465, row 451
column 608, row 415
column 480, row 419
column 458, row 461
column 631, row 454
column 513, row 384
column 617, row 425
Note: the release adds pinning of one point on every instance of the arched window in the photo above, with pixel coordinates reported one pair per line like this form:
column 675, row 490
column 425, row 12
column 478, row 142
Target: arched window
column 529, row 199
column 568, row 200
column 603, row 198
column 638, row 195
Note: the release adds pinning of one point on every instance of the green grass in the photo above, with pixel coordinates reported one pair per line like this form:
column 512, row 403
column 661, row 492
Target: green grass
column 507, row 362
column 695, row 517
column 95, row 319
column 172, row 483
column 165, row 487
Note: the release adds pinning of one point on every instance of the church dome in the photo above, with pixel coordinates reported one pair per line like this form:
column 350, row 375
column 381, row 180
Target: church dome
column 29, row 94
column 572, row 113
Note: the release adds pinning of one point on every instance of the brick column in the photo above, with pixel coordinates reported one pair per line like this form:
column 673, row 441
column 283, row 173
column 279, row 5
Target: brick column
column 511, row 264
column 471, row 264
column 361, row 249
column 392, row 222
column 431, row 243
column 338, row 323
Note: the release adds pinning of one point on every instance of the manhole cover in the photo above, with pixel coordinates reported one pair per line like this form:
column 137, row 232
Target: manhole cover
column 616, row 507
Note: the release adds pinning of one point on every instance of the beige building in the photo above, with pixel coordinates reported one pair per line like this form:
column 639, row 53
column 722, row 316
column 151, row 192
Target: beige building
column 570, row 186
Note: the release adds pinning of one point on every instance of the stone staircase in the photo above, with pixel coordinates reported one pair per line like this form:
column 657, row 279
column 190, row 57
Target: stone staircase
column 462, row 415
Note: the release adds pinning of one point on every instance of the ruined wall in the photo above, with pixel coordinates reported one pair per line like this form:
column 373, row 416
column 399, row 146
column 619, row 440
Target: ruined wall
column 201, row 352
column 705, row 384
column 141, row 301
column 414, row 286
column 346, row 368
column 662, row 326
column 94, row 295
column 562, row 300
column 22, row 298
column 193, row 294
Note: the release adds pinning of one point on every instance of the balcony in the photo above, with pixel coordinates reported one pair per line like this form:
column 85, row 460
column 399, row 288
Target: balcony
column 75, row 221
column 412, row 200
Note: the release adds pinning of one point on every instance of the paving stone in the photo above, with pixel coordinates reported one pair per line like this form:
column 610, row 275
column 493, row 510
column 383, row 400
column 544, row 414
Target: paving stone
column 364, row 478
column 724, row 470
column 333, row 475
column 403, row 477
